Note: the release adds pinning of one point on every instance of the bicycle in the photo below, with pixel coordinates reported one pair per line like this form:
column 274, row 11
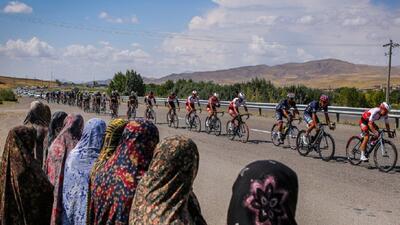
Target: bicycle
column 214, row 124
column 194, row 121
column 172, row 119
column 320, row 143
column 131, row 112
column 381, row 147
column 150, row 114
column 289, row 131
column 114, row 110
column 240, row 130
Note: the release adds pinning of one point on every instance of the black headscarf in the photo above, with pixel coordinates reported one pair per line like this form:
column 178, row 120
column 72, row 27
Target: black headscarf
column 265, row 193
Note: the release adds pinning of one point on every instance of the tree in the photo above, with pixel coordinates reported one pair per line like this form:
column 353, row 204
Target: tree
column 134, row 82
column 118, row 83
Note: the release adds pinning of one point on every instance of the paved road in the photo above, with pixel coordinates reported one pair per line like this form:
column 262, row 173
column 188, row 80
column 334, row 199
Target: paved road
column 330, row 192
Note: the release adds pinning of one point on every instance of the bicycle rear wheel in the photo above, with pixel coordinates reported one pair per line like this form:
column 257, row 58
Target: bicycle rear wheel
column 385, row 156
column 175, row 120
column 169, row 120
column 291, row 137
column 229, row 130
column 353, row 153
column 274, row 135
column 217, row 127
column 326, row 147
column 207, row 125
column 243, row 132
column 302, row 148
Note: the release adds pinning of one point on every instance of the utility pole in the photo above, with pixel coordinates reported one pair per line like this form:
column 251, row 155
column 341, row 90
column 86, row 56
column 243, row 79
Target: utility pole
column 391, row 45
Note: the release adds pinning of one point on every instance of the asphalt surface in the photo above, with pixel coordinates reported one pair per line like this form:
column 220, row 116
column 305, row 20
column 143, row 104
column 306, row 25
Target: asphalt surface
column 333, row 192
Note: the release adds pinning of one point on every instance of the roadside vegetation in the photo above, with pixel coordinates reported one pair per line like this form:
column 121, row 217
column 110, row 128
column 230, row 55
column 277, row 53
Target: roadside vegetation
column 7, row 95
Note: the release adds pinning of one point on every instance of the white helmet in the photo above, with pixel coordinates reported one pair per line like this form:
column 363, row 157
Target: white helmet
column 241, row 96
column 291, row 95
column 194, row 92
column 385, row 106
column 215, row 94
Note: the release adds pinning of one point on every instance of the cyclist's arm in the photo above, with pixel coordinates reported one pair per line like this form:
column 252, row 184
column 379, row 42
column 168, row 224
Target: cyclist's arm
column 327, row 119
column 314, row 117
column 285, row 113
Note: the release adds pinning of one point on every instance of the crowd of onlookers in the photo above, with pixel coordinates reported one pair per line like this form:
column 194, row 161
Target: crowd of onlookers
column 56, row 169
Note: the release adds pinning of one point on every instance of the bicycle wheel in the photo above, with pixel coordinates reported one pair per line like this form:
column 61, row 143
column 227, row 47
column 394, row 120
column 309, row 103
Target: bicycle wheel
column 207, row 125
column 302, row 148
column 169, row 120
column 385, row 157
column 274, row 135
column 326, row 147
column 291, row 137
column 243, row 132
column 175, row 120
column 197, row 123
column 229, row 130
column 353, row 152
column 217, row 127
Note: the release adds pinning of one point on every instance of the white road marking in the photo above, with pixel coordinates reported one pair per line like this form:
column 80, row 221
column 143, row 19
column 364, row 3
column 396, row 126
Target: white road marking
column 262, row 131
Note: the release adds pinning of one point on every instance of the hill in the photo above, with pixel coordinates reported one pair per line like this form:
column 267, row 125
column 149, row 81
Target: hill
column 12, row 82
column 326, row 73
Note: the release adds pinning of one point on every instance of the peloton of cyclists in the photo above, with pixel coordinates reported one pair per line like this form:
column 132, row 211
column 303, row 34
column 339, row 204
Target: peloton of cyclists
column 367, row 124
column 190, row 104
column 171, row 100
column 282, row 111
column 311, row 118
column 234, row 105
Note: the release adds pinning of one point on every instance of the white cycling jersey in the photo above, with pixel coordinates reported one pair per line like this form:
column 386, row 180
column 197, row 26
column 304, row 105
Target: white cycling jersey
column 373, row 115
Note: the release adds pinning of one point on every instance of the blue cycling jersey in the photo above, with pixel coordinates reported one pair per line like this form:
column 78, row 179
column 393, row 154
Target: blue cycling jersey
column 285, row 105
column 314, row 107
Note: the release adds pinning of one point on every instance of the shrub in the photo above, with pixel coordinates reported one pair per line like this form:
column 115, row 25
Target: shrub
column 7, row 95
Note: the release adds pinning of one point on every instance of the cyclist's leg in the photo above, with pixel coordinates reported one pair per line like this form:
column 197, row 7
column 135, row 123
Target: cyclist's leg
column 365, row 131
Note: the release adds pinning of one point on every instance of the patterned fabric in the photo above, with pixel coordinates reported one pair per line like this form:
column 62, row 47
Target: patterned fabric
column 39, row 118
column 265, row 193
column 55, row 127
column 76, row 173
column 164, row 195
column 115, row 183
column 111, row 141
column 58, row 152
column 26, row 193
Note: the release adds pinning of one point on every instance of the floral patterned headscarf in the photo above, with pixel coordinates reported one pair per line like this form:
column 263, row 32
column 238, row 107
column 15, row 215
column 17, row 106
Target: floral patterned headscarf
column 26, row 193
column 58, row 152
column 164, row 195
column 265, row 193
column 115, row 183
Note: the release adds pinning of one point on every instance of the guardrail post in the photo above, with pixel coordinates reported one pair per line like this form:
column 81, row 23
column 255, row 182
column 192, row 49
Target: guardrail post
column 259, row 111
column 337, row 117
column 397, row 122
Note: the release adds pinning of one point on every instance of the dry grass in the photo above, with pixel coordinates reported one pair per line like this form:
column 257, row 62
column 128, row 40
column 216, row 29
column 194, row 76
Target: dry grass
column 12, row 82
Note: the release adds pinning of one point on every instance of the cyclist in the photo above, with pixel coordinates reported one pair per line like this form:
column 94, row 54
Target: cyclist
column 150, row 100
column 311, row 118
column 97, row 99
column 114, row 102
column 132, row 103
column 103, row 102
column 234, row 105
column 367, row 124
column 213, row 104
column 190, row 101
column 282, row 111
column 172, row 98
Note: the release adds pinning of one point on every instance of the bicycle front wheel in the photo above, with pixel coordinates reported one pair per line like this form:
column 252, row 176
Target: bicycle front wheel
column 243, row 132
column 326, row 147
column 197, row 123
column 207, row 125
column 229, row 130
column 301, row 147
column 292, row 137
column 274, row 135
column 217, row 127
column 385, row 156
column 353, row 153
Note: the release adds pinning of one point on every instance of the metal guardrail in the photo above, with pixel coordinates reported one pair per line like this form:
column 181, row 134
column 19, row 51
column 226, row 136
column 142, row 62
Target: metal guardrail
column 337, row 110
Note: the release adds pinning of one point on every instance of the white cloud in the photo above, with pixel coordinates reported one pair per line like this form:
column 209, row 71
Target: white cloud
column 397, row 21
column 111, row 19
column 303, row 55
column 266, row 20
column 31, row 48
column 358, row 21
column 135, row 45
column 307, row 19
column 259, row 46
column 17, row 7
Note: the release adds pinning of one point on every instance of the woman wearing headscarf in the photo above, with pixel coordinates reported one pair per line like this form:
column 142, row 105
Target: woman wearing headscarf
column 58, row 152
column 115, row 183
column 265, row 193
column 26, row 193
column 76, row 173
column 39, row 118
column 164, row 195
column 55, row 127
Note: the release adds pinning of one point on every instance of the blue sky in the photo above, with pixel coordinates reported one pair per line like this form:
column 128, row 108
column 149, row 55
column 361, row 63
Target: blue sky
column 79, row 40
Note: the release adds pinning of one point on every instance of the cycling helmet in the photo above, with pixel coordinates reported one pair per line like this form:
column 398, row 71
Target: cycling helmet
column 241, row 96
column 291, row 95
column 215, row 95
column 324, row 98
column 385, row 106
column 173, row 93
column 132, row 93
column 194, row 92
column 151, row 93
